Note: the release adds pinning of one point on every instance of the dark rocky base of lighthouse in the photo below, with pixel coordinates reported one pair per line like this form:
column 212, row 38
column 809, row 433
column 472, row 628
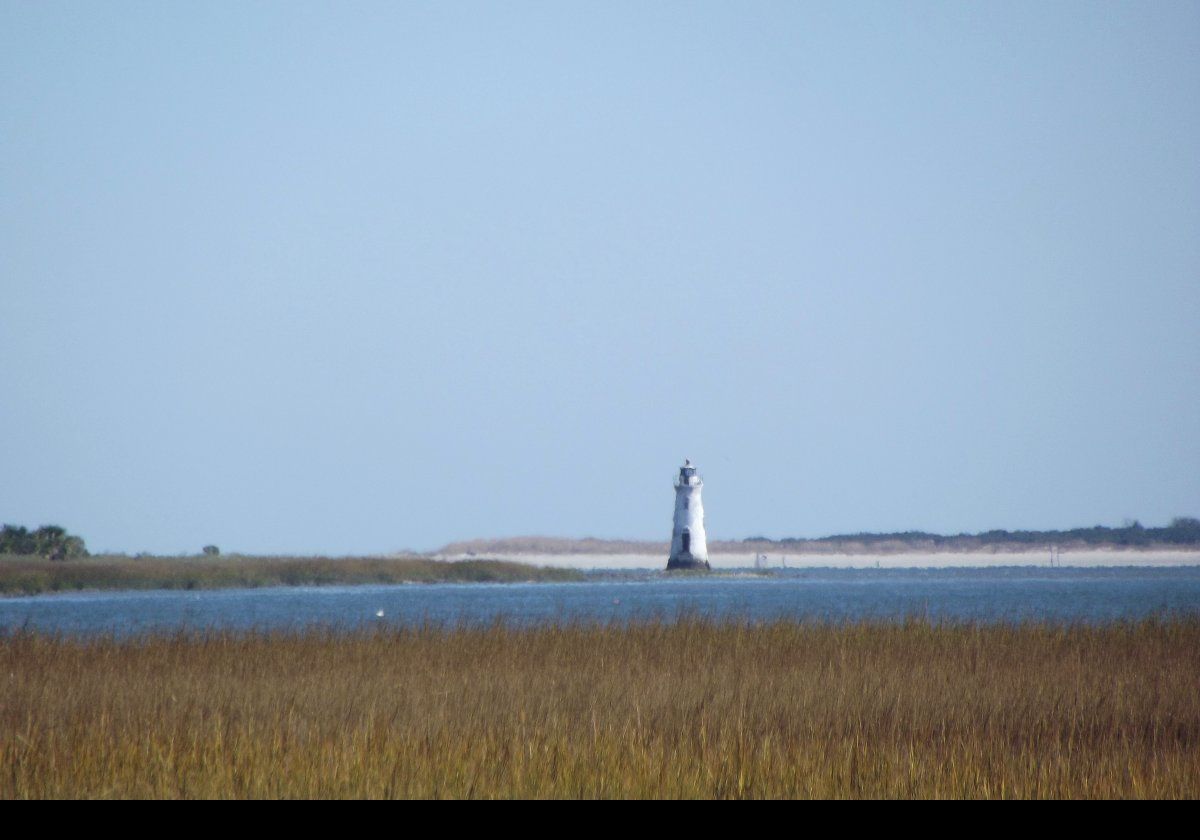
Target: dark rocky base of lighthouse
column 687, row 563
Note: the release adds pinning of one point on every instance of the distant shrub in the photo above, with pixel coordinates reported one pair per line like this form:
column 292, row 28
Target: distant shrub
column 211, row 550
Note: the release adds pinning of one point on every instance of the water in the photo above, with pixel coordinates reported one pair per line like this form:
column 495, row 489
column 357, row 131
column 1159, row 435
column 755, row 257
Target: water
column 1005, row 594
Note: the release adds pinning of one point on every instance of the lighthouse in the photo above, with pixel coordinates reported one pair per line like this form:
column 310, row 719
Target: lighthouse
column 689, row 548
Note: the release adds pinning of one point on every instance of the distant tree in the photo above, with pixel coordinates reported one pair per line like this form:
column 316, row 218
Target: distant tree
column 211, row 550
column 48, row 541
column 15, row 539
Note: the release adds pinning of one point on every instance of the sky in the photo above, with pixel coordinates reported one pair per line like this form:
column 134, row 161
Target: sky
column 350, row 278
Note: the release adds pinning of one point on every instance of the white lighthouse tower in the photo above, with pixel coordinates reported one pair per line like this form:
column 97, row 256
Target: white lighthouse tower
column 689, row 547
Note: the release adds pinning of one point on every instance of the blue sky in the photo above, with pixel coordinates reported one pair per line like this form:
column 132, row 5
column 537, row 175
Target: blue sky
column 357, row 277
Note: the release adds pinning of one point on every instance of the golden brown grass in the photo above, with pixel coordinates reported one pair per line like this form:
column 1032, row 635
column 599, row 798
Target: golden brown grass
column 653, row 710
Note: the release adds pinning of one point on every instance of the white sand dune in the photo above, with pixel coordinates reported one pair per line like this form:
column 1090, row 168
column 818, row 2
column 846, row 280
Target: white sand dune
column 914, row 560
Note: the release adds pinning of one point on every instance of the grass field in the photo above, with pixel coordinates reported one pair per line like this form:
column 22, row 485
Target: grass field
column 25, row 575
column 687, row 709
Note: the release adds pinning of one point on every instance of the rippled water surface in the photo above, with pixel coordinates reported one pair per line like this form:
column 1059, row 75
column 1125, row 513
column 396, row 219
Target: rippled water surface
column 1005, row 594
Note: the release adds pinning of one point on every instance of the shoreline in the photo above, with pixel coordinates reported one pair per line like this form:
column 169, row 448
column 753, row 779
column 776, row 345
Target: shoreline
column 24, row 575
column 1089, row 558
column 20, row 576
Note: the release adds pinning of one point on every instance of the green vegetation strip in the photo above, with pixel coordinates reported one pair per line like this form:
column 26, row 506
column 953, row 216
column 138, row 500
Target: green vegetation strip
column 26, row 575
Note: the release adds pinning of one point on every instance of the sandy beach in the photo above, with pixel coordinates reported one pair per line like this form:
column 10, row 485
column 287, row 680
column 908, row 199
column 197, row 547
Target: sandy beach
column 913, row 560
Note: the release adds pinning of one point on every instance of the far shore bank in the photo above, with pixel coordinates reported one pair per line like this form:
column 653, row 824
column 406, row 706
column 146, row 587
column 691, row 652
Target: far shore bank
column 1088, row 545
column 1090, row 557
column 25, row 575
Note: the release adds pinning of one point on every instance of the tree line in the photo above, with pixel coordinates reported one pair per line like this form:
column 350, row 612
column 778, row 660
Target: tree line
column 1183, row 530
column 51, row 541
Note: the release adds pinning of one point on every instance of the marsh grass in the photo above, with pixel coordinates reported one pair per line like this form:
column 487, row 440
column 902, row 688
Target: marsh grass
column 671, row 709
column 25, row 575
